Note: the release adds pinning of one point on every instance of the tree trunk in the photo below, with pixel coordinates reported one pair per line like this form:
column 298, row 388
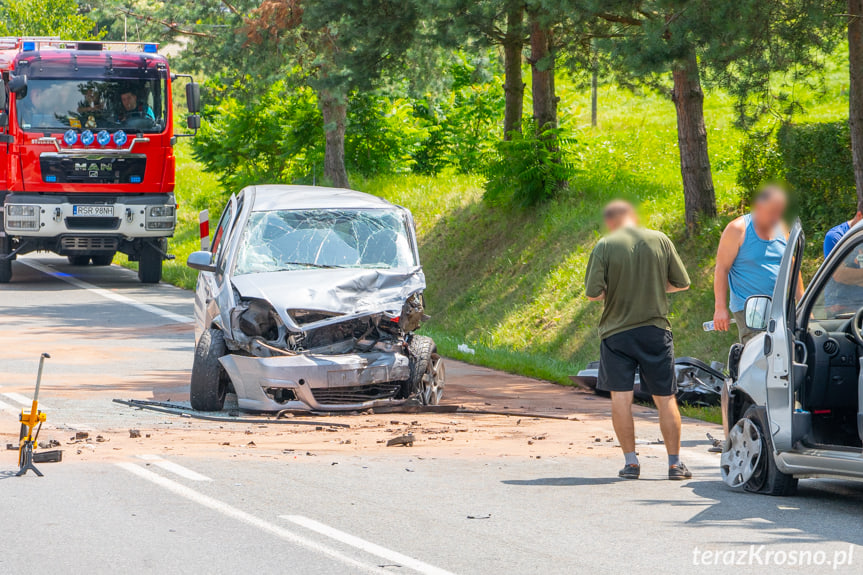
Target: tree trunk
column 698, row 194
column 334, row 109
column 513, row 85
column 855, row 92
column 542, row 66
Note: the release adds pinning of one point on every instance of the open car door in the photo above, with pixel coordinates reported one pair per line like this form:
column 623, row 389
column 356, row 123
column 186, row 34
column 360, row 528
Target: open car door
column 780, row 345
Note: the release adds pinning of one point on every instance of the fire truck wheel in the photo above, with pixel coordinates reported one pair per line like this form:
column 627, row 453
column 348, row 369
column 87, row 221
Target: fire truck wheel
column 78, row 260
column 102, row 259
column 5, row 265
column 150, row 265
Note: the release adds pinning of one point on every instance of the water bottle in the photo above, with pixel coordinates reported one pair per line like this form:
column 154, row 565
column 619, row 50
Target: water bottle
column 710, row 326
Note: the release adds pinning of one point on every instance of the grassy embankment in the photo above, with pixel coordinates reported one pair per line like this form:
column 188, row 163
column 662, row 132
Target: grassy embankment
column 509, row 283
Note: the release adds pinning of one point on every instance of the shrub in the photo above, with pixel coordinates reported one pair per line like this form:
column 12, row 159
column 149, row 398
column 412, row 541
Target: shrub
column 529, row 168
column 819, row 169
column 760, row 163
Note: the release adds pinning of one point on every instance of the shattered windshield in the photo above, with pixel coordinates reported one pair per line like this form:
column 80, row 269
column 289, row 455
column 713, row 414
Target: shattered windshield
column 52, row 104
column 287, row 240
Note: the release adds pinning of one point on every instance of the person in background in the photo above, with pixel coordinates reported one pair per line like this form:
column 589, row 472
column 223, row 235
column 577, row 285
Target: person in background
column 832, row 237
column 631, row 270
column 132, row 109
column 748, row 258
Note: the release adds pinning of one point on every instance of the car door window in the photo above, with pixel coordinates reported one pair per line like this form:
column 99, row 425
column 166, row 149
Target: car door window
column 219, row 244
column 841, row 295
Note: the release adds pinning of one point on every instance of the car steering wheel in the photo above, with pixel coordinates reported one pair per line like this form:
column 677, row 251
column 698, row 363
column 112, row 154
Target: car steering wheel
column 857, row 328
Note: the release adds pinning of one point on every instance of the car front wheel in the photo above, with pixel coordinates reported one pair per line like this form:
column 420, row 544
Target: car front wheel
column 210, row 383
column 748, row 460
column 428, row 374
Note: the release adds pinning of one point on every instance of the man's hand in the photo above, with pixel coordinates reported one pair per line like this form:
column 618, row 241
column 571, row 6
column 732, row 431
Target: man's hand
column 721, row 319
column 600, row 297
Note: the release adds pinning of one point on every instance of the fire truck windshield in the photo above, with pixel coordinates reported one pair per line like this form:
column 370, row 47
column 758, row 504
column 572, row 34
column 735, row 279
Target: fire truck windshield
column 56, row 104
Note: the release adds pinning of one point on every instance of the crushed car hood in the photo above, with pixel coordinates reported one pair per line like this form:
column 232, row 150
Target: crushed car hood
column 344, row 291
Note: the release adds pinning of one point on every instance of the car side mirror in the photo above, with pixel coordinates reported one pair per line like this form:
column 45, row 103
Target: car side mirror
column 18, row 85
column 193, row 121
column 193, row 97
column 202, row 261
column 2, row 93
column 757, row 312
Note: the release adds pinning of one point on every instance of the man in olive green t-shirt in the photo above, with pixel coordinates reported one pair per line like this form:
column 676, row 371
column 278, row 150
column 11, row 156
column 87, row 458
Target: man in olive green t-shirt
column 631, row 270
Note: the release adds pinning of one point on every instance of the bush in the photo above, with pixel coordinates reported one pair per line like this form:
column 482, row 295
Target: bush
column 529, row 168
column 819, row 169
column 760, row 163
column 814, row 160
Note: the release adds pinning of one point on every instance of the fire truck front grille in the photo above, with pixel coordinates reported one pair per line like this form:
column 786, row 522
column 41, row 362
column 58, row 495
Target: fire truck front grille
column 87, row 244
column 92, row 223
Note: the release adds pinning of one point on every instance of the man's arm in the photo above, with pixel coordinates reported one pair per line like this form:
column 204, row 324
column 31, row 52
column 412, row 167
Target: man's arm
column 594, row 279
column 678, row 278
column 729, row 245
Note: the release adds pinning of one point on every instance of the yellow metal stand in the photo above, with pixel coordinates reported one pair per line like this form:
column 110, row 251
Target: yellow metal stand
column 31, row 421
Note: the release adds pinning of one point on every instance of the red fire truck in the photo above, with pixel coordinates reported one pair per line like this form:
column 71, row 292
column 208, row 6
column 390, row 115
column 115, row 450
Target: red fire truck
column 86, row 151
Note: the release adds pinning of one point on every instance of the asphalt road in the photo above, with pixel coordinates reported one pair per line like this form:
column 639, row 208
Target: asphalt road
column 162, row 509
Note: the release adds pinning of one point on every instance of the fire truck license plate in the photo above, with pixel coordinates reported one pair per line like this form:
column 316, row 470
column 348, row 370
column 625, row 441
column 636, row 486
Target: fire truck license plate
column 93, row 211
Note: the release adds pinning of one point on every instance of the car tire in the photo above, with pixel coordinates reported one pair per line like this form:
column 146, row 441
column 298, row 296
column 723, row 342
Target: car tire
column 102, row 259
column 210, row 383
column 78, row 260
column 149, row 265
column 5, row 265
column 767, row 478
column 428, row 374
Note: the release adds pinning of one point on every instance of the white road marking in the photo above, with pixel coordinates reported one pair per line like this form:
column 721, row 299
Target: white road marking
column 18, row 398
column 108, row 294
column 367, row 546
column 247, row 518
column 7, row 407
column 175, row 468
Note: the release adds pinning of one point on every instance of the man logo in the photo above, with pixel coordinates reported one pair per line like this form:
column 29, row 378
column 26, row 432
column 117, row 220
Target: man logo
column 80, row 167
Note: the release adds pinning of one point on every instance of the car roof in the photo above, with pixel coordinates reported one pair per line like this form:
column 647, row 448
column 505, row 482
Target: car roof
column 283, row 197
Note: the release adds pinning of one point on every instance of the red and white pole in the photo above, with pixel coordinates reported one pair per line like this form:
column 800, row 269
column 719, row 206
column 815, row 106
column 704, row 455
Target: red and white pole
column 204, row 226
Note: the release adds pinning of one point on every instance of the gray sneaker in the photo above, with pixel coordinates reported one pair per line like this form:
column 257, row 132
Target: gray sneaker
column 630, row 471
column 679, row 472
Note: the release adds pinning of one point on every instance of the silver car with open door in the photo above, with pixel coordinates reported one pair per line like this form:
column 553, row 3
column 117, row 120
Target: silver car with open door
column 793, row 405
column 309, row 299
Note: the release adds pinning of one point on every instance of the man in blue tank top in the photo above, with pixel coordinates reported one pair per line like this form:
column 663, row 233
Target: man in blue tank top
column 748, row 258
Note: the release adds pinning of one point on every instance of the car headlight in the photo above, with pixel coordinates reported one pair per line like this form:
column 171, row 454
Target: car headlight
column 160, row 217
column 22, row 217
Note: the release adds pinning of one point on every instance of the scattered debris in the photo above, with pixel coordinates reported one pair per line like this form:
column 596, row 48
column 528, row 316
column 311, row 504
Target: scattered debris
column 54, row 456
column 134, row 433
column 100, row 439
column 488, row 516
column 44, row 444
column 406, row 440
column 81, row 435
column 716, row 446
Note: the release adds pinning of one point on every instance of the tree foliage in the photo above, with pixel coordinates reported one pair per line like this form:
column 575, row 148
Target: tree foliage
column 62, row 18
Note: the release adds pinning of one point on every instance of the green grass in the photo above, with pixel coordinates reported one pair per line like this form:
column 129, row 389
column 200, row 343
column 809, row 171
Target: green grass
column 510, row 283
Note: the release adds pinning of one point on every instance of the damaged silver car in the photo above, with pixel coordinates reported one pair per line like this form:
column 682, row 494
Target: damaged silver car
column 308, row 299
column 793, row 404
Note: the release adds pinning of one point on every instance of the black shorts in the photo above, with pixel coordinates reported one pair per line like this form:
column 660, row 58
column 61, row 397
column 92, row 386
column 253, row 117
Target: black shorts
column 649, row 349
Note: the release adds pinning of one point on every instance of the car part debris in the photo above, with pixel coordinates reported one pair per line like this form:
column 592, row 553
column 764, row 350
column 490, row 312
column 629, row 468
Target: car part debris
column 407, row 440
column 134, row 433
column 81, row 435
column 716, row 444
column 53, row 456
column 697, row 383
column 182, row 411
column 29, row 421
